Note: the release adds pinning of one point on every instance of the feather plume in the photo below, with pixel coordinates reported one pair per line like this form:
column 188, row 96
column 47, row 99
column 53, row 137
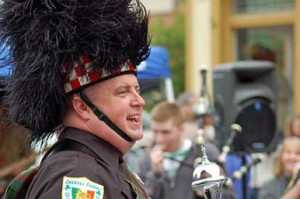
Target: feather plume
column 41, row 35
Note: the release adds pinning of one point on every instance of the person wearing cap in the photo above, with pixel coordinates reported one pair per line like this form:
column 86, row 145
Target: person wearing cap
column 74, row 74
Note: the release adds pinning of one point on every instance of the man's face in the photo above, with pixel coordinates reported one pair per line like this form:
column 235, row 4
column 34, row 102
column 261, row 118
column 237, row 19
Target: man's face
column 120, row 100
column 167, row 135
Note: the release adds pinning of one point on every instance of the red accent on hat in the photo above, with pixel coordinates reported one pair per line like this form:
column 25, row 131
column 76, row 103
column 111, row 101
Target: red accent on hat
column 82, row 75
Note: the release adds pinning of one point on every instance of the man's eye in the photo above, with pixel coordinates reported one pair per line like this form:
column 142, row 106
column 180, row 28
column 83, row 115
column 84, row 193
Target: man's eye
column 122, row 92
column 138, row 89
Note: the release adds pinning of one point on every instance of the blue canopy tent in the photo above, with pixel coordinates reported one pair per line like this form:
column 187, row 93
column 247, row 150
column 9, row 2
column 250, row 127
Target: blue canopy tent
column 4, row 71
column 7, row 70
column 155, row 70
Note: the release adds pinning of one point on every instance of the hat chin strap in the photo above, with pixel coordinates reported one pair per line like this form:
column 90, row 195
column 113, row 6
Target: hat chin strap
column 104, row 118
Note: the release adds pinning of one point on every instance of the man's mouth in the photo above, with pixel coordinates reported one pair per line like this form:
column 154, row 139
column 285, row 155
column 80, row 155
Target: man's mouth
column 134, row 118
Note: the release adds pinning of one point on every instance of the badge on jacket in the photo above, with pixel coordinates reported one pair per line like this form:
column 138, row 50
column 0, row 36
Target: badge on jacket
column 81, row 187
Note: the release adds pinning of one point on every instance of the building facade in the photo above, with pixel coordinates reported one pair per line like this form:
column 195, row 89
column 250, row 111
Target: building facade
column 224, row 31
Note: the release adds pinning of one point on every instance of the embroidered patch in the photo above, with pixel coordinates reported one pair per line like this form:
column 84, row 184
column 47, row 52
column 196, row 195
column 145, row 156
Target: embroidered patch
column 81, row 188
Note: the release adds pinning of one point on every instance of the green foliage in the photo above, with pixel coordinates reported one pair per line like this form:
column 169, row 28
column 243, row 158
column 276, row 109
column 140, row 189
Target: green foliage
column 172, row 36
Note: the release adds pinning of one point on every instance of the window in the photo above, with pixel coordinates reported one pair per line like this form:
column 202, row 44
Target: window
column 246, row 6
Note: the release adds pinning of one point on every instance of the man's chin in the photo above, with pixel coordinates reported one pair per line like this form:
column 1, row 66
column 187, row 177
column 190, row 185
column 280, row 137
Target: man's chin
column 137, row 135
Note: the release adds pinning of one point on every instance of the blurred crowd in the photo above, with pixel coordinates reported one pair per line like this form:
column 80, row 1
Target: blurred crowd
column 14, row 150
column 166, row 162
column 167, row 155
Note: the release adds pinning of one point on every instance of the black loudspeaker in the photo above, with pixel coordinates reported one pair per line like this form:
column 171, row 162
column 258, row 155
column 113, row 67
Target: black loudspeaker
column 245, row 94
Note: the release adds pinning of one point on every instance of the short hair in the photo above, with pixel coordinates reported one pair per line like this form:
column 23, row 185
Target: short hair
column 184, row 98
column 164, row 111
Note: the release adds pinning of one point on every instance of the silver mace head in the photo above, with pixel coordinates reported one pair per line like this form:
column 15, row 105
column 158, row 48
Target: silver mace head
column 208, row 175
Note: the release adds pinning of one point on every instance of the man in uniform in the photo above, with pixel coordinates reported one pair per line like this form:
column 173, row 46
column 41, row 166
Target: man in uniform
column 75, row 75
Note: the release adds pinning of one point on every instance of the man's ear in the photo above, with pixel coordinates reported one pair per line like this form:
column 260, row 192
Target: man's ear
column 80, row 107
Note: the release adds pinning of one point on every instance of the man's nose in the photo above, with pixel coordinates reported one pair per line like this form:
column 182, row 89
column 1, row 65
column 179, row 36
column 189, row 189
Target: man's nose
column 138, row 100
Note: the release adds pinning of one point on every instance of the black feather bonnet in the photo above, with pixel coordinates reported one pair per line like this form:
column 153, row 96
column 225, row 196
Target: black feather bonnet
column 42, row 35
